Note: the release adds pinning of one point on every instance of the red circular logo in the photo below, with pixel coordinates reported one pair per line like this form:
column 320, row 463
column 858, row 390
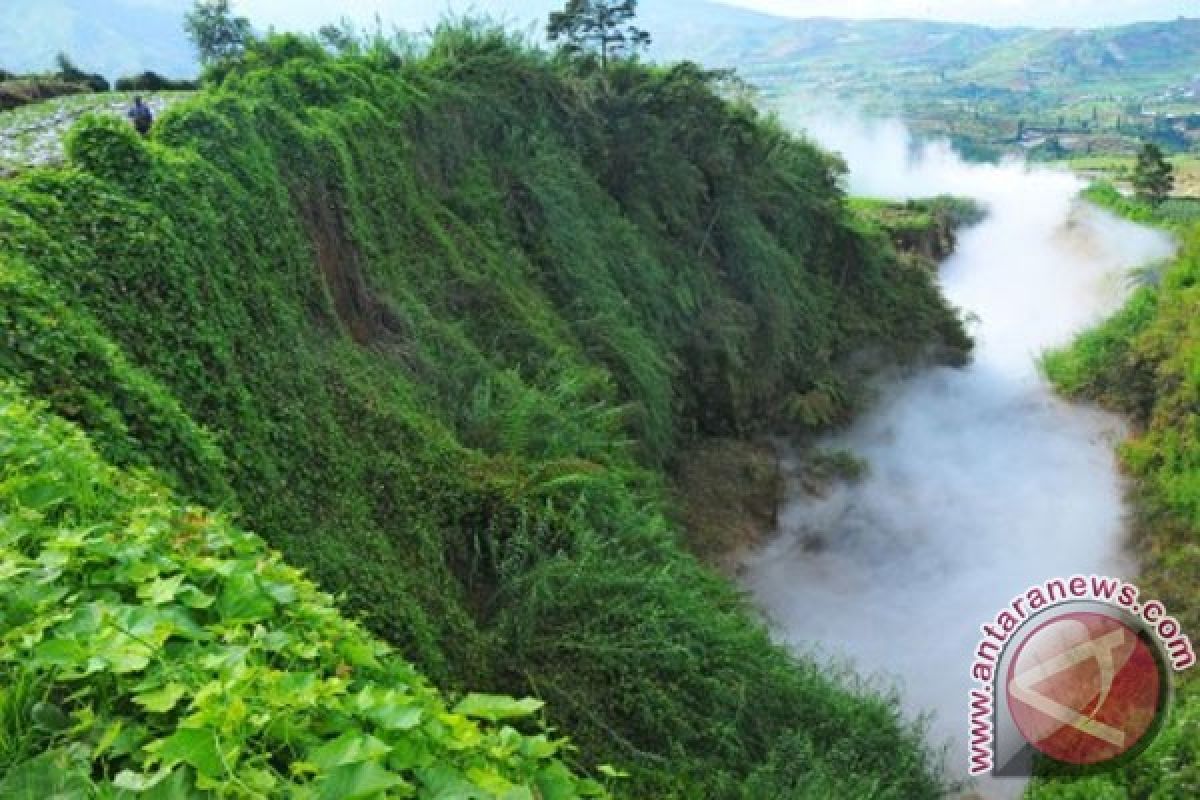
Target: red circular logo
column 1084, row 688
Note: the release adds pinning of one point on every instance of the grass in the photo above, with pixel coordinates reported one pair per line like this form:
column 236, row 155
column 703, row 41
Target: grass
column 1145, row 362
column 434, row 327
column 152, row 647
column 1119, row 169
column 32, row 135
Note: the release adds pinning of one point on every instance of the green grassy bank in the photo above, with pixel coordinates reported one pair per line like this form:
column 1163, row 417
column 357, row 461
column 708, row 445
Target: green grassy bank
column 1145, row 363
column 436, row 328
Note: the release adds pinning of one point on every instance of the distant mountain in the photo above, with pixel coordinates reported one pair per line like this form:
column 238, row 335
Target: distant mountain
column 703, row 31
column 1148, row 54
column 897, row 57
column 882, row 64
column 113, row 37
column 990, row 91
column 731, row 37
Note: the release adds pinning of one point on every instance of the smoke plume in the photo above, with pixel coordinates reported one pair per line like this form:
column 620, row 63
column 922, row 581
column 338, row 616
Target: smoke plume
column 981, row 482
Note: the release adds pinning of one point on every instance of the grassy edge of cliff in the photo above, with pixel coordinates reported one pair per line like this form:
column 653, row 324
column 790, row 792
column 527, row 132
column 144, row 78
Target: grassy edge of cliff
column 151, row 649
column 414, row 322
column 1144, row 362
column 726, row 492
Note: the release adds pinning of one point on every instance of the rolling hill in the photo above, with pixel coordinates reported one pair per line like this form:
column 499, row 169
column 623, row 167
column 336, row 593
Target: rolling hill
column 883, row 65
column 1046, row 93
column 853, row 56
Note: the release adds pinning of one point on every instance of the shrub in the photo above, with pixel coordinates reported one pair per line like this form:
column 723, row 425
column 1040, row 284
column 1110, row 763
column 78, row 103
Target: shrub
column 17, row 92
column 153, row 82
column 150, row 646
column 445, row 319
column 69, row 72
column 1144, row 362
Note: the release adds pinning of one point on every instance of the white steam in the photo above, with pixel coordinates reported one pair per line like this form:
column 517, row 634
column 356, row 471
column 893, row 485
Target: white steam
column 982, row 482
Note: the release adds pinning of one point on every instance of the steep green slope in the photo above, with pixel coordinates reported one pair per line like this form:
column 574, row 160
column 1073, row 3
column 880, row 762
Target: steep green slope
column 433, row 327
column 1145, row 362
column 151, row 647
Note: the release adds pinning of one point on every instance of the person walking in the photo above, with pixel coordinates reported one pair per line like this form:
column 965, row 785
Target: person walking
column 141, row 116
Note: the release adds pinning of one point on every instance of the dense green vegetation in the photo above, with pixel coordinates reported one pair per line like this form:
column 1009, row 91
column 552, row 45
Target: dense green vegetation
column 66, row 79
column 20, row 90
column 1145, row 362
column 1119, row 171
column 925, row 228
column 153, row 82
column 1153, row 176
column 1175, row 213
column 150, row 649
column 215, row 32
column 434, row 327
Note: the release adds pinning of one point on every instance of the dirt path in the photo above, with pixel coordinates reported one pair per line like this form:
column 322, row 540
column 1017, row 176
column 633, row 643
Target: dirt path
column 33, row 135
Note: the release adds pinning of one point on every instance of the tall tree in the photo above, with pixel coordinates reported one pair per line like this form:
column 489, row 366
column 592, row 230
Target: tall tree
column 216, row 33
column 341, row 37
column 602, row 26
column 1153, row 176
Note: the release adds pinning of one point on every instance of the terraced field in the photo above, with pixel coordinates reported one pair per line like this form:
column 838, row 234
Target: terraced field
column 1119, row 170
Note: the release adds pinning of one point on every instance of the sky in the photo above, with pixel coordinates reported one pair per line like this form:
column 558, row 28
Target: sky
column 1039, row 13
column 417, row 14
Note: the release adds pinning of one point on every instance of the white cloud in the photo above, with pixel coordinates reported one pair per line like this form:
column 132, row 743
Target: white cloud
column 407, row 14
column 1068, row 13
column 419, row 14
